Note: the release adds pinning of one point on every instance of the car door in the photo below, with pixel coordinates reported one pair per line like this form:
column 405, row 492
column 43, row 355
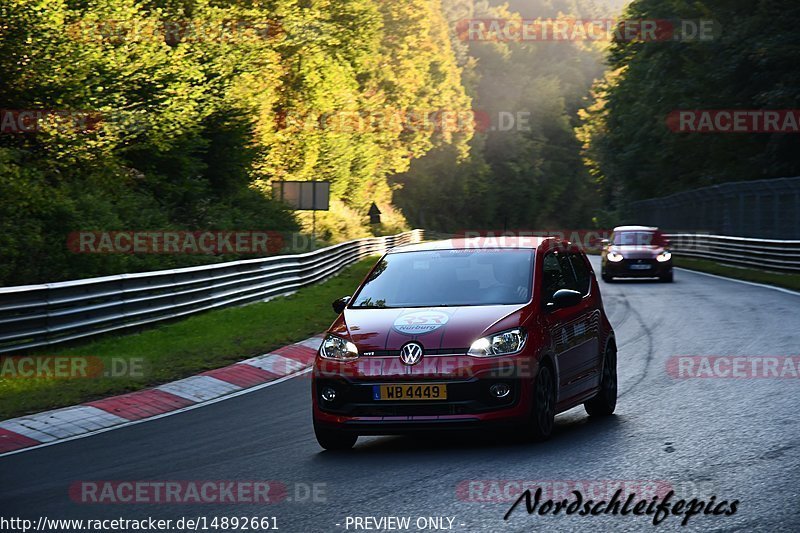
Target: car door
column 570, row 328
column 587, row 327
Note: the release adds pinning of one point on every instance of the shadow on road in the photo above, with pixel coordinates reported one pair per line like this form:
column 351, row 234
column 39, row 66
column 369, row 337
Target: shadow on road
column 636, row 281
column 570, row 428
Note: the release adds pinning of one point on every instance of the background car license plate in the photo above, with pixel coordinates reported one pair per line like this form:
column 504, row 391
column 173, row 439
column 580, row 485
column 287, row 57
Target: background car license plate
column 424, row 391
column 640, row 267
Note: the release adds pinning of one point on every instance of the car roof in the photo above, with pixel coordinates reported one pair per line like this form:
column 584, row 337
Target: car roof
column 635, row 228
column 475, row 243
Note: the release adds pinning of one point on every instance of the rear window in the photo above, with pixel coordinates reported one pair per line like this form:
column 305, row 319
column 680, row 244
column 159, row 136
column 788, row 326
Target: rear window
column 449, row 278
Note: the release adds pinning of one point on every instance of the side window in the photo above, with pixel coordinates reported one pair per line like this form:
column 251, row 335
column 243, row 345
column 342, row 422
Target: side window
column 556, row 274
column 582, row 274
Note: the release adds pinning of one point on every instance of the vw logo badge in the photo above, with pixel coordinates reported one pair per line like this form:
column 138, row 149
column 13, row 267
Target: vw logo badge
column 411, row 353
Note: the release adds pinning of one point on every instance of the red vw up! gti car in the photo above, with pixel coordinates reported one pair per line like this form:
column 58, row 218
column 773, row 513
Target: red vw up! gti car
column 466, row 333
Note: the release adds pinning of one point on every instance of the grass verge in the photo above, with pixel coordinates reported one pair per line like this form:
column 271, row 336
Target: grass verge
column 184, row 348
column 787, row 281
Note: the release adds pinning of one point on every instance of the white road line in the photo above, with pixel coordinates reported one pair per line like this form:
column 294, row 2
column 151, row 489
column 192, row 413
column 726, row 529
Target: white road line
column 156, row 417
column 754, row 284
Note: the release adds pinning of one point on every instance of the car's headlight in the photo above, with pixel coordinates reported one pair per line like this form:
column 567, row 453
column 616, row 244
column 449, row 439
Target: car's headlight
column 664, row 257
column 614, row 257
column 502, row 343
column 337, row 348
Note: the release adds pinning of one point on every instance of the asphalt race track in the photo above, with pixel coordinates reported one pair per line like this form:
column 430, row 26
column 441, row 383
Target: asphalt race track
column 736, row 439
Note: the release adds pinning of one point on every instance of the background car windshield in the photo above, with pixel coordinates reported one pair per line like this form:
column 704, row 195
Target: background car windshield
column 449, row 278
column 638, row 238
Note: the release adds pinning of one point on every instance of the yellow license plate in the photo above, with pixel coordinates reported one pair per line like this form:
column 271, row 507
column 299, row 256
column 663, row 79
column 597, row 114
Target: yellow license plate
column 428, row 391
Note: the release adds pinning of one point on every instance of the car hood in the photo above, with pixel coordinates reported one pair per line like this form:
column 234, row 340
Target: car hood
column 436, row 328
column 636, row 251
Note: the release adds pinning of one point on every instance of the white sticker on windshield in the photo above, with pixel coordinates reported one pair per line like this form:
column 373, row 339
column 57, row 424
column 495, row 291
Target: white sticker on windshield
column 419, row 322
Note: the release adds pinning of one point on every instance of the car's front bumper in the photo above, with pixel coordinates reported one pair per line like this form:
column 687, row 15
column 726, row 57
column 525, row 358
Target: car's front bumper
column 406, row 425
column 469, row 401
column 637, row 268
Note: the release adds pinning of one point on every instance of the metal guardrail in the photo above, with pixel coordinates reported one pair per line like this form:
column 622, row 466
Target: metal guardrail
column 763, row 254
column 768, row 209
column 33, row 316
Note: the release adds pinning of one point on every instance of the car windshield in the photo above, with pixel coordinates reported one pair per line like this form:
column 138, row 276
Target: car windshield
column 638, row 238
column 449, row 278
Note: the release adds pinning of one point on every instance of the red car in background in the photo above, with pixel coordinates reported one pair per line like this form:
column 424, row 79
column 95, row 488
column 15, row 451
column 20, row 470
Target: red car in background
column 466, row 333
column 636, row 252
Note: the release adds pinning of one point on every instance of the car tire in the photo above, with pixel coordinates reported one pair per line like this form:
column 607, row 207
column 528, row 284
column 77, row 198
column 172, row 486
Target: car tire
column 543, row 412
column 606, row 277
column 666, row 278
column 334, row 440
column 605, row 402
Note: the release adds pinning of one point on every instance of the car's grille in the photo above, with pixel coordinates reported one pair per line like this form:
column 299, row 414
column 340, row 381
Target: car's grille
column 463, row 397
column 637, row 266
column 425, row 351
column 629, row 262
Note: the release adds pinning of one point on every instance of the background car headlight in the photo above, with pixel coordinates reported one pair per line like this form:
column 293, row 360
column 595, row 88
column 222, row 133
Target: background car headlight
column 664, row 257
column 502, row 343
column 337, row 348
column 614, row 257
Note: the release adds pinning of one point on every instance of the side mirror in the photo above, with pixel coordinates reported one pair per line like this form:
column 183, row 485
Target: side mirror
column 340, row 304
column 565, row 298
column 604, row 242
